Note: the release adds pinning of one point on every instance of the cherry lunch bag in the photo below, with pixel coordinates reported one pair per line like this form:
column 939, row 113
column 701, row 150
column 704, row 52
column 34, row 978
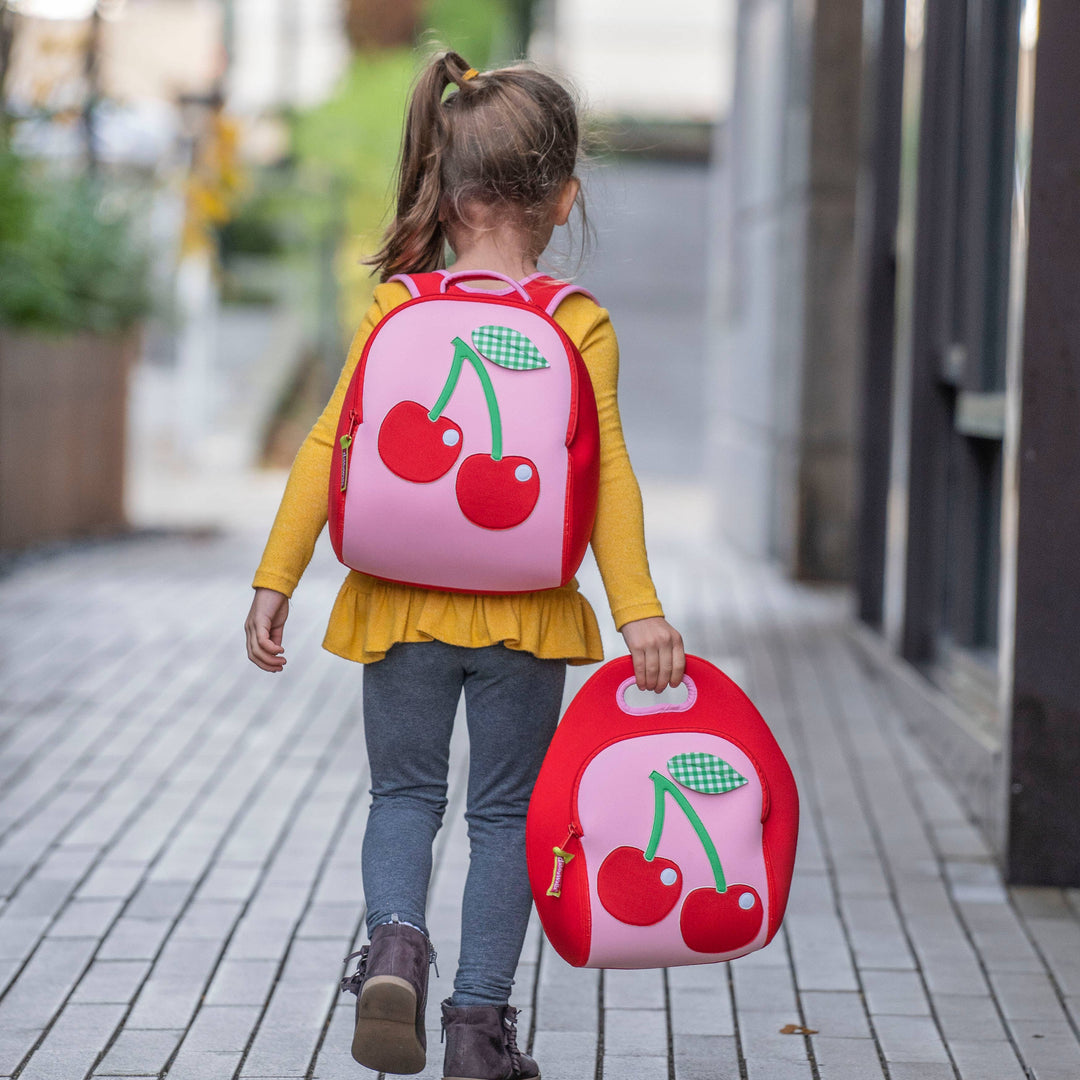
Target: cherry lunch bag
column 662, row 835
column 467, row 454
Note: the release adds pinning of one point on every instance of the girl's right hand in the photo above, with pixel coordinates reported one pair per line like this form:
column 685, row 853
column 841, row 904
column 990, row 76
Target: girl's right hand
column 263, row 627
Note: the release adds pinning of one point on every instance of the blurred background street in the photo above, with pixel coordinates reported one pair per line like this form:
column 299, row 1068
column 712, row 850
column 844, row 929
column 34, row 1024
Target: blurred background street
column 839, row 248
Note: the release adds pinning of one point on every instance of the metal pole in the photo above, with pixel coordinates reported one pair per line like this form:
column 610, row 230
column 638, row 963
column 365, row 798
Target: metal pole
column 93, row 89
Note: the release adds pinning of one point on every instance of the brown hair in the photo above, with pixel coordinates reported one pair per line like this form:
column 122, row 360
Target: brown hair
column 506, row 137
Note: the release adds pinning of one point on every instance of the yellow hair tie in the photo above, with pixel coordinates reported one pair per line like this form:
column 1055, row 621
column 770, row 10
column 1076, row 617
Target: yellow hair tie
column 470, row 74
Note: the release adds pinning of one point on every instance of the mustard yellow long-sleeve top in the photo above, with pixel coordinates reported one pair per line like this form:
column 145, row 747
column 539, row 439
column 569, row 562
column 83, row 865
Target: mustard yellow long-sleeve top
column 371, row 615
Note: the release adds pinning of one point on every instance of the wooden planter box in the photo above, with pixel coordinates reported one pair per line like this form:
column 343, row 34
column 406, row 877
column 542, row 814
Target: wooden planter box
column 63, row 417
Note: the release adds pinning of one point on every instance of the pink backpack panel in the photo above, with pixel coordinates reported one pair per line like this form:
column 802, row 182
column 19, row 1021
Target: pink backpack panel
column 665, row 835
column 468, row 444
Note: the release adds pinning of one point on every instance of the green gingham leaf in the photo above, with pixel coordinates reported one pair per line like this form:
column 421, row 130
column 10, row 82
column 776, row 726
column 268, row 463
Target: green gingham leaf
column 705, row 773
column 508, row 348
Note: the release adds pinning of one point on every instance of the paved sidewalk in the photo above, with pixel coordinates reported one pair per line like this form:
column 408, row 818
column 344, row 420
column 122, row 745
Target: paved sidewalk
column 180, row 837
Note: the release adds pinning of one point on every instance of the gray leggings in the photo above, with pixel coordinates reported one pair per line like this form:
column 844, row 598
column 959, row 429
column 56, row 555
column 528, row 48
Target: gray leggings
column 512, row 704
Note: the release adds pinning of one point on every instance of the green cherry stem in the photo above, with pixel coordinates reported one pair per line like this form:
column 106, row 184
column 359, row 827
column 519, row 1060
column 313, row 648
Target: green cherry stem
column 463, row 352
column 662, row 787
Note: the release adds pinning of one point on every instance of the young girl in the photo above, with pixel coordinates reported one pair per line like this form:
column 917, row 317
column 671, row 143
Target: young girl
column 488, row 171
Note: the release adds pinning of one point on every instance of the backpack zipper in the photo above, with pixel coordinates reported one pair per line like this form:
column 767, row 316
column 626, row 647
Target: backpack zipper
column 346, row 442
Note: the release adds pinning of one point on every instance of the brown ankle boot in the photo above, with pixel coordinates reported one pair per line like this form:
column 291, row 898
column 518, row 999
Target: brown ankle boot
column 481, row 1044
column 390, row 983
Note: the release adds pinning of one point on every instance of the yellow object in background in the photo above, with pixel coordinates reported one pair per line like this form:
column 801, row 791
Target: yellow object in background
column 212, row 186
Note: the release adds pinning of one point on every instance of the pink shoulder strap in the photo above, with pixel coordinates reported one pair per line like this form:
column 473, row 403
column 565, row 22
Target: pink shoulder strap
column 547, row 293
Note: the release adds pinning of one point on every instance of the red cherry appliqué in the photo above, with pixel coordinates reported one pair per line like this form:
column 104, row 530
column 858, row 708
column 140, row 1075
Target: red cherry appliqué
column 415, row 447
column 637, row 891
column 497, row 494
column 721, row 922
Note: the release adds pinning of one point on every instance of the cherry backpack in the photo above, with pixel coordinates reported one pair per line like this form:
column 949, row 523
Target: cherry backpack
column 663, row 835
column 468, row 444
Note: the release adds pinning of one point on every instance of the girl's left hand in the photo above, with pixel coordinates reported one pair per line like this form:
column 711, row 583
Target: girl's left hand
column 657, row 651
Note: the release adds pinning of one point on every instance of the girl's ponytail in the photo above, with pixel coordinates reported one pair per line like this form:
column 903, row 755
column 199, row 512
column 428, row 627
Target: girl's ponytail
column 415, row 240
column 505, row 141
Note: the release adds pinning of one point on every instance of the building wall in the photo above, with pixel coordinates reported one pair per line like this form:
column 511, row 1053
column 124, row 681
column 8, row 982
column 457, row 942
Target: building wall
column 631, row 59
column 782, row 323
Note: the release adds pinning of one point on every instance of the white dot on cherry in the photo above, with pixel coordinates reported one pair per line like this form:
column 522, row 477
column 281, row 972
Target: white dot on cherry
column 746, row 901
column 523, row 473
column 450, row 437
column 668, row 876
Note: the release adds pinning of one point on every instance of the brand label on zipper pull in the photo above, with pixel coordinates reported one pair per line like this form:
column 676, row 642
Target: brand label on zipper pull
column 561, row 859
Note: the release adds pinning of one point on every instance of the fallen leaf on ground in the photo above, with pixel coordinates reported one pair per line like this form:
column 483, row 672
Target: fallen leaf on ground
column 797, row 1029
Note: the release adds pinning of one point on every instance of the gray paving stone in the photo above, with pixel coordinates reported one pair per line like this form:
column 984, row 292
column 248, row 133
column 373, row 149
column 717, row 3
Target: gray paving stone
column 41, row 987
column 1047, row 1044
column 897, row 992
column 1058, row 940
column 836, row 1013
column 568, row 999
column 820, row 954
column 767, row 1068
column 921, row 1070
column 909, row 1038
column 113, row 878
column 762, row 1037
column 1026, row 995
column 207, row 1065
column 705, row 1057
column 999, row 938
column 111, row 981
column 335, row 1060
column 968, row 1017
column 847, row 1057
column 643, row 1068
column 19, row 935
column 768, row 988
column 171, row 994
column 330, row 920
column 159, row 900
column 1038, row 902
column 134, row 939
column 86, row 918
column 289, row 1031
column 242, row 982
column 642, row 989
column 565, row 1055
column 230, row 881
column 987, row 1060
column 635, row 1033
column 140, row 1053
column 704, row 1011
column 208, row 919
column 220, row 1029
column 877, row 938
column 74, row 1041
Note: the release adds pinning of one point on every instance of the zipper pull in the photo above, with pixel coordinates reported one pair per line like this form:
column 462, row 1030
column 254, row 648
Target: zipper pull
column 346, row 442
column 562, row 857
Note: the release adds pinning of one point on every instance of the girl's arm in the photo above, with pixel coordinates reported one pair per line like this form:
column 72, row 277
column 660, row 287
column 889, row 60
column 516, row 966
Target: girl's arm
column 303, row 510
column 618, row 537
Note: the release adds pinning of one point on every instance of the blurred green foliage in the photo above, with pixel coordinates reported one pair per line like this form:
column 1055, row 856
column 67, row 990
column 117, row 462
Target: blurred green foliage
column 351, row 142
column 482, row 31
column 69, row 260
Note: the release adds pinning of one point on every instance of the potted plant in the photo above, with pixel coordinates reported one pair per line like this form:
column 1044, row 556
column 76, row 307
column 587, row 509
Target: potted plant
column 73, row 291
